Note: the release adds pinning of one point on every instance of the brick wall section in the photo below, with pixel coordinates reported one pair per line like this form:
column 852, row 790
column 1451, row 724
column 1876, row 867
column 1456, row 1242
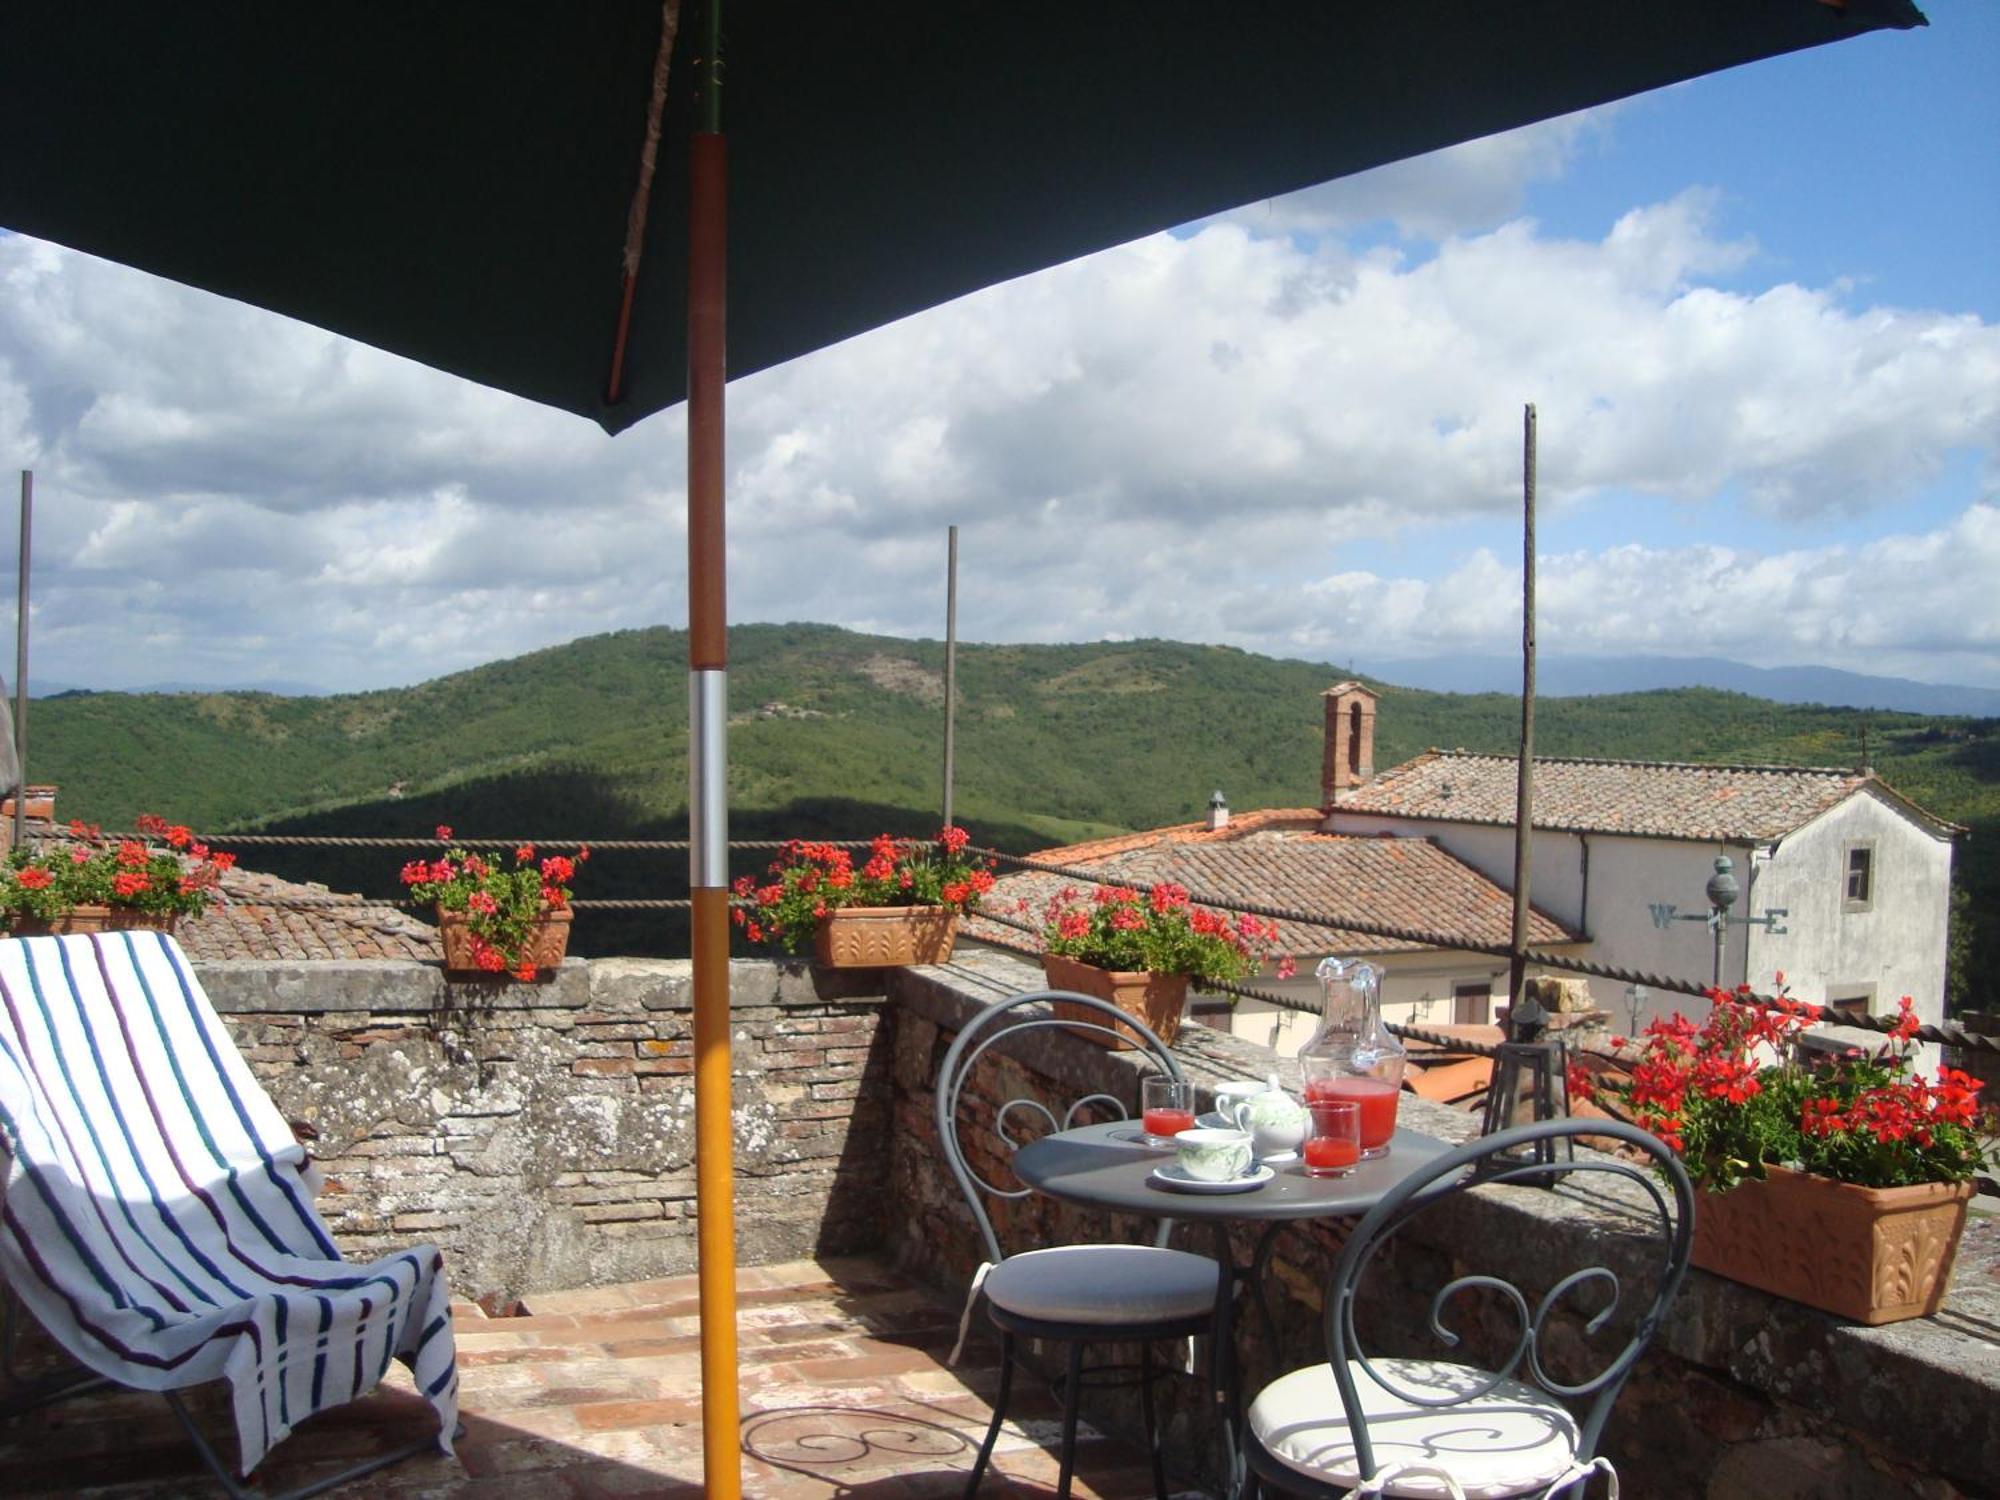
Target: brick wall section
column 1744, row 1395
column 543, row 1135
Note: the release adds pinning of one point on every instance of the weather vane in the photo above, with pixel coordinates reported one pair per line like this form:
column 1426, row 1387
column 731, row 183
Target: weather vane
column 1722, row 892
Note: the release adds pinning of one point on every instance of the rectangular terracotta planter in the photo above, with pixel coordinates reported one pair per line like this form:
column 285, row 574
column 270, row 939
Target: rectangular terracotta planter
column 548, row 941
column 96, row 919
column 1156, row 999
column 1876, row 1255
column 880, row 937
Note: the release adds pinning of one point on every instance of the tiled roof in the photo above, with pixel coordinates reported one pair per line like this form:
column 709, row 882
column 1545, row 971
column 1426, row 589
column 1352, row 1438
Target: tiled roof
column 1660, row 798
column 1239, row 826
column 1271, row 860
column 262, row 916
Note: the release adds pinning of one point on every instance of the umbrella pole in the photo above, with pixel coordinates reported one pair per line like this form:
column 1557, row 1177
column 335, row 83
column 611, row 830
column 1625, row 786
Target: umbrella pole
column 708, row 810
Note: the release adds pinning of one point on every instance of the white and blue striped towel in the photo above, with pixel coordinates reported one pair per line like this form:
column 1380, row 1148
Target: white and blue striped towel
column 156, row 1219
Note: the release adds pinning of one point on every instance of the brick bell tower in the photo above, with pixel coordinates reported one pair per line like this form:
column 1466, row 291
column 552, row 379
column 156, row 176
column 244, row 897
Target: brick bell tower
column 1350, row 741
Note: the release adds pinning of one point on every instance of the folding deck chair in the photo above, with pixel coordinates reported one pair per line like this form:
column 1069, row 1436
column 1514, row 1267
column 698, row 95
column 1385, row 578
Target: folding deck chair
column 156, row 1217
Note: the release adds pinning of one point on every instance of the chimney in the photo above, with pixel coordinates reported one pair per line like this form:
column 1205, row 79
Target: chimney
column 1350, row 741
column 1218, row 812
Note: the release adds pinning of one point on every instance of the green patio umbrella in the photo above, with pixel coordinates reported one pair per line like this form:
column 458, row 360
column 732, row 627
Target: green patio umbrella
column 471, row 185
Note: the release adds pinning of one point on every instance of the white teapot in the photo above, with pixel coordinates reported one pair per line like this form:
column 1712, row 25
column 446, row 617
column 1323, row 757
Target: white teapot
column 1274, row 1120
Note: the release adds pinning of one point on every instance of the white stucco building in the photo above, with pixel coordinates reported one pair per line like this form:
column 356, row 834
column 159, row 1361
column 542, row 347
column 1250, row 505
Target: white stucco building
column 1863, row 874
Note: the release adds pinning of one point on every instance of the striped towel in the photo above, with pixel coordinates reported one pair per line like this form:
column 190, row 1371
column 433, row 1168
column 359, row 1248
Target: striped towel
column 155, row 1216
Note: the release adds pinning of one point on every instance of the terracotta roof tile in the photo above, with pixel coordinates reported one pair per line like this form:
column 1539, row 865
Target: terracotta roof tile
column 1659, row 798
column 1239, row 826
column 262, row 916
column 1278, row 860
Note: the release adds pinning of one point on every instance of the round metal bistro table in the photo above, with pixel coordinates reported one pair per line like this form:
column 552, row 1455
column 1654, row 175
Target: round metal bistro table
column 1111, row 1167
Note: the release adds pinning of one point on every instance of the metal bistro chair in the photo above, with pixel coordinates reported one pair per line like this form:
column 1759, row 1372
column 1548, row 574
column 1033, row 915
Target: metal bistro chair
column 1431, row 1429
column 1070, row 1294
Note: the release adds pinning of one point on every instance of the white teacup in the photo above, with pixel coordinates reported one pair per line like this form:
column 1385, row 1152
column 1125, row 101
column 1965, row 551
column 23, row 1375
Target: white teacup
column 1234, row 1092
column 1213, row 1155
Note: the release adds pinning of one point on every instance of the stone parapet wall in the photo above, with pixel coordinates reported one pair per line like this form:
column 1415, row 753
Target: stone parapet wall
column 542, row 1135
column 1743, row 1395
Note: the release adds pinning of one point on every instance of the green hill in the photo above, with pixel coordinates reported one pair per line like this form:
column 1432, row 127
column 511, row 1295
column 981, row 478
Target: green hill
column 840, row 734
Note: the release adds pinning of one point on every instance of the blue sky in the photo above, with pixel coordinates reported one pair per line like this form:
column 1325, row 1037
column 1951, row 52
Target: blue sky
column 1873, row 166
column 1759, row 315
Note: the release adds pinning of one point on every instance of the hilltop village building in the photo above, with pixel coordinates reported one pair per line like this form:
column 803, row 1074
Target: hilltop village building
column 1862, row 875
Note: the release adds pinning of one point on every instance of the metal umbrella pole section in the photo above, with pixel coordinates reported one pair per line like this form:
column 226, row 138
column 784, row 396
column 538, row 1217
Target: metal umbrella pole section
column 708, row 761
column 1524, row 795
column 950, row 665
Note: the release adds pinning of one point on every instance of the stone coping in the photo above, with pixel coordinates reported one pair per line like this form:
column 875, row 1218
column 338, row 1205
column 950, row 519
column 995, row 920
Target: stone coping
column 1925, row 1389
column 398, row 986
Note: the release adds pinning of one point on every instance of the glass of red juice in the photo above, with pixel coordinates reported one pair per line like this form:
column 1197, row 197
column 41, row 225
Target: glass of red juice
column 1374, row 1097
column 1334, row 1145
column 1168, row 1108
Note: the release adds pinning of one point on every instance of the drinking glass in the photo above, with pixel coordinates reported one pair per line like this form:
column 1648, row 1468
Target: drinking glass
column 1334, row 1144
column 1168, row 1105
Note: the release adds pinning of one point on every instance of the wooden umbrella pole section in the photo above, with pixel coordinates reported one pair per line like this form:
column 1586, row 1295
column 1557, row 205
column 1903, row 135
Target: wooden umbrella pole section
column 708, row 811
column 1524, row 788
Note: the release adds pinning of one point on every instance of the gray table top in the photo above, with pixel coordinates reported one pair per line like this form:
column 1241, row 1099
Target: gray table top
column 1110, row 1167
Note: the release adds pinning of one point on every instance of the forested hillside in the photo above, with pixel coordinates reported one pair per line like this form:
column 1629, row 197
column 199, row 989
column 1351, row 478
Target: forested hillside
column 840, row 734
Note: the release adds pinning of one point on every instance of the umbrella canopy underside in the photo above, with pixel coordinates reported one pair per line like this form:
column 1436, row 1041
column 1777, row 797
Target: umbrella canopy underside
column 451, row 182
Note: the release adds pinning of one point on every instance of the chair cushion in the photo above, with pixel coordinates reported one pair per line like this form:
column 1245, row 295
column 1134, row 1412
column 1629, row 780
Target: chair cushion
column 1104, row 1284
column 1512, row 1441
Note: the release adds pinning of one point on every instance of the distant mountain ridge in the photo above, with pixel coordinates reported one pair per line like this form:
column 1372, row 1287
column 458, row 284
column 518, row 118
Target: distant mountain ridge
column 282, row 688
column 1555, row 677
column 1581, row 676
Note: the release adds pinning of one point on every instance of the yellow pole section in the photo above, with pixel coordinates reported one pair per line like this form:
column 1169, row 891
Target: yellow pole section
column 715, row 1198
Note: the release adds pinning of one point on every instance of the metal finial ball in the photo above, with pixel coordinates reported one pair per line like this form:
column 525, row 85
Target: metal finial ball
column 1722, row 887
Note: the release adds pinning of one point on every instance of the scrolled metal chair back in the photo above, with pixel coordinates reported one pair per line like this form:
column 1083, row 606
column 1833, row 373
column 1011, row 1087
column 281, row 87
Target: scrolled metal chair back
column 1455, row 1173
column 1014, row 1018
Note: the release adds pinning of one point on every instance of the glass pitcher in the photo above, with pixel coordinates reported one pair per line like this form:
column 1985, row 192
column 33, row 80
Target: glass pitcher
column 1352, row 1055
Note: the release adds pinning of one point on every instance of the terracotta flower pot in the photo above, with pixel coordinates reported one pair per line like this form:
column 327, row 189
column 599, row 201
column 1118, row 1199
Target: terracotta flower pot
column 548, row 941
column 1876, row 1255
column 1156, row 999
column 879, row 937
column 93, row 918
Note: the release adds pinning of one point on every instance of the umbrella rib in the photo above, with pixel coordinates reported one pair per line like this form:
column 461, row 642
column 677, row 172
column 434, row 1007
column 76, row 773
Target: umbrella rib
column 642, row 195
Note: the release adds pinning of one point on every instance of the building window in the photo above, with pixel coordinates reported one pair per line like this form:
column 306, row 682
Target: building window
column 1472, row 1004
column 1859, row 891
column 1855, row 1003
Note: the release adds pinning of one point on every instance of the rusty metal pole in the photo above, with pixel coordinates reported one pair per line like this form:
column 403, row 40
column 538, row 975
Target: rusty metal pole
column 708, row 807
column 1524, row 791
column 21, row 663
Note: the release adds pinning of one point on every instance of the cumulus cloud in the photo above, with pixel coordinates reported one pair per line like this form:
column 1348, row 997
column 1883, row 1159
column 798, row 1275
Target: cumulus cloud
column 1917, row 605
column 1459, row 190
column 1183, row 437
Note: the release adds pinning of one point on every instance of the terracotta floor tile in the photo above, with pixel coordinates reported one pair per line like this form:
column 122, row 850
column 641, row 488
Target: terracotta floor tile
column 607, row 1415
column 596, row 1395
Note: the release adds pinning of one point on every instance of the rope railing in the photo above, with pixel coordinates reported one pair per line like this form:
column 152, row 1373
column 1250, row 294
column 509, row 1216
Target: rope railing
column 1946, row 1033
column 349, row 841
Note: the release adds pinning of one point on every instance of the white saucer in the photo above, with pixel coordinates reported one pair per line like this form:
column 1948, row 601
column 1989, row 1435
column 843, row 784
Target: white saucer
column 1170, row 1175
column 1215, row 1119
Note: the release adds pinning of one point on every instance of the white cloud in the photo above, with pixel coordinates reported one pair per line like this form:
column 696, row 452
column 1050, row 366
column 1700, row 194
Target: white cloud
column 1459, row 190
column 1918, row 605
column 1173, row 438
